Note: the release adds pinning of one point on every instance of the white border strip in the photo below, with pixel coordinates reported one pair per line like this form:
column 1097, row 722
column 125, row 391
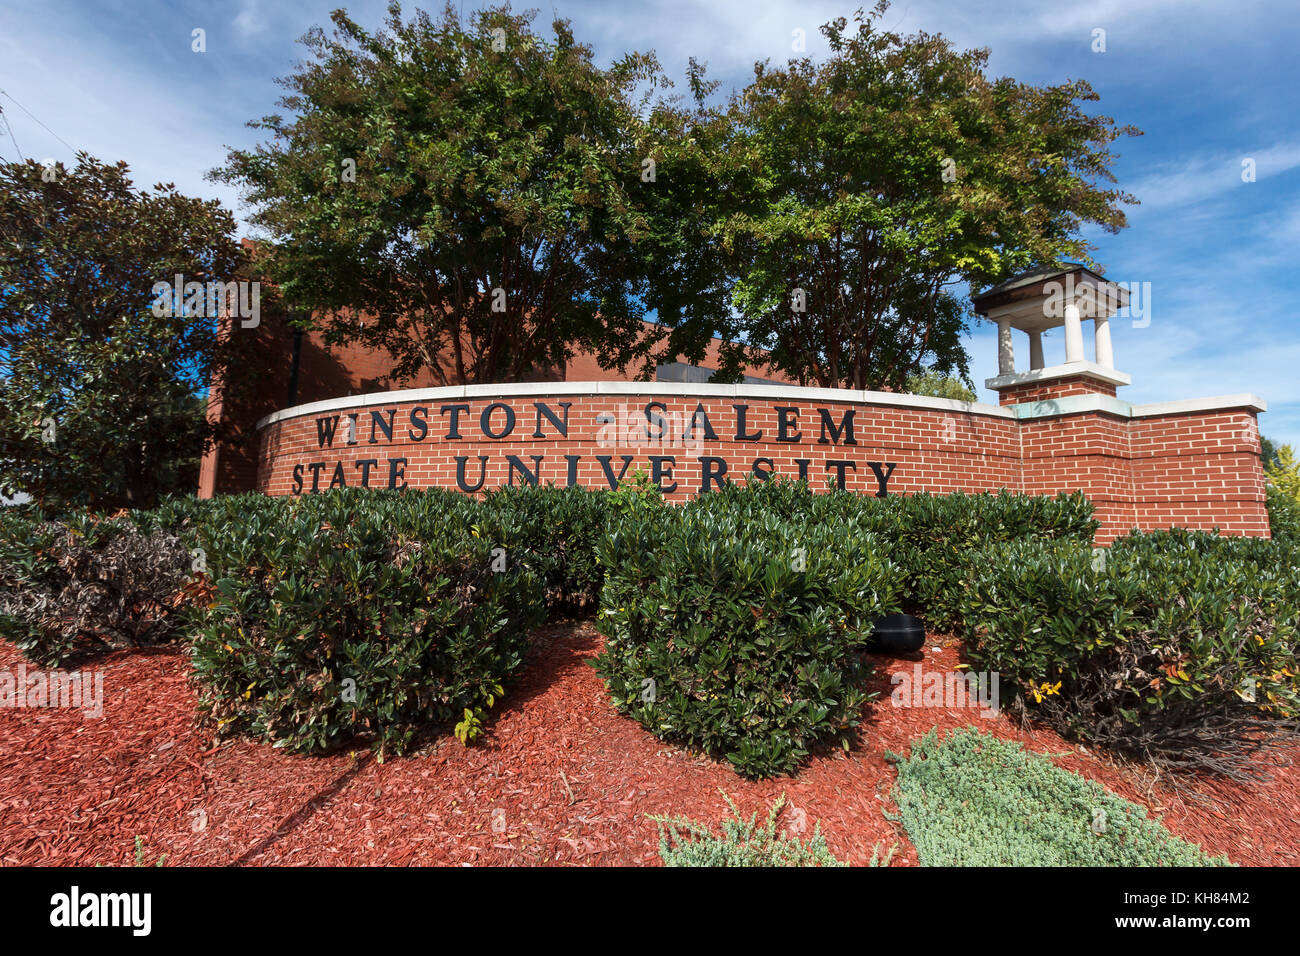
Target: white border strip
column 792, row 393
column 1052, row 372
column 1093, row 402
column 1217, row 403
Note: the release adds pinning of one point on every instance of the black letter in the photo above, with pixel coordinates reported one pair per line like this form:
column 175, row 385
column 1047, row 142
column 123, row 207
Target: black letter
column 365, row 464
column 785, row 417
column 297, row 479
column 609, row 472
column 839, row 468
column 316, row 467
column 658, row 472
column 516, row 465
column 740, row 425
column 485, row 420
column 846, row 428
column 453, row 430
column 882, row 478
column 711, row 471
column 573, row 468
column 417, row 418
column 767, row 472
column 543, row 409
column 658, row 420
column 460, row 473
column 325, row 431
column 700, row 417
column 338, row 481
column 377, row 418
column 396, row 470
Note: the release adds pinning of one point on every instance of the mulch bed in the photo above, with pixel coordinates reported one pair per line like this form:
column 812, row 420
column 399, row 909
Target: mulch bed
column 559, row 778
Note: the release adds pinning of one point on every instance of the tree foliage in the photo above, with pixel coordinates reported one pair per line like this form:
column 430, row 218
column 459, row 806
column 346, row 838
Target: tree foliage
column 1267, row 451
column 865, row 188
column 101, row 400
column 940, row 386
column 1283, row 472
column 474, row 197
column 482, row 201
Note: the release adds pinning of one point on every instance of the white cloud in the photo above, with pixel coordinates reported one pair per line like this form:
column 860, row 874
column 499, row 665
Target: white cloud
column 1202, row 178
column 249, row 21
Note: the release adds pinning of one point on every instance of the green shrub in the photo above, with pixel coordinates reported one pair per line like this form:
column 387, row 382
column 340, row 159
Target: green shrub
column 741, row 633
column 1218, row 630
column 357, row 612
column 84, row 584
column 933, row 537
column 1181, row 649
column 975, row 800
column 556, row 531
column 183, row 514
column 633, row 495
column 26, row 564
column 1039, row 614
column 684, row 842
column 1283, row 517
column 690, row 603
column 941, row 536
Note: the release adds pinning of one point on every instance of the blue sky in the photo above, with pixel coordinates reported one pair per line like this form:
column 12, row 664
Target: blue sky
column 1210, row 84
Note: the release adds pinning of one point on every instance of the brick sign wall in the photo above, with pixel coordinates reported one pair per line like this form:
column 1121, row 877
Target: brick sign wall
column 1146, row 466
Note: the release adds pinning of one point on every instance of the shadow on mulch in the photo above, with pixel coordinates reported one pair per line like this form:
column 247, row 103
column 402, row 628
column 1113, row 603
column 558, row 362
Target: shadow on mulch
column 304, row 812
column 556, row 649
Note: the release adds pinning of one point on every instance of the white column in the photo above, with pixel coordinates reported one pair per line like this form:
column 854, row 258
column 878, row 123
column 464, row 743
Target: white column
column 1073, row 335
column 1101, row 330
column 1035, row 350
column 1006, row 351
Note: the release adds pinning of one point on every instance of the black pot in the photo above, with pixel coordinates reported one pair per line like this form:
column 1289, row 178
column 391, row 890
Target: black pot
column 898, row 634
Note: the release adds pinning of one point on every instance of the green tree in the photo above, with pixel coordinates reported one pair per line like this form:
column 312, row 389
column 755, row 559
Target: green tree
column 476, row 199
column 1283, row 473
column 1267, row 451
column 691, row 283
column 100, row 399
column 933, row 383
column 868, row 187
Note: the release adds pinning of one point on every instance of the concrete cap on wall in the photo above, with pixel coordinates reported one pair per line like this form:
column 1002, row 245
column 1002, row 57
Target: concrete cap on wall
column 790, row 393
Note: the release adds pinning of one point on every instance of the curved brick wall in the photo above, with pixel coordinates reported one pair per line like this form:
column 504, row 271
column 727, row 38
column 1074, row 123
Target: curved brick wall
column 1190, row 463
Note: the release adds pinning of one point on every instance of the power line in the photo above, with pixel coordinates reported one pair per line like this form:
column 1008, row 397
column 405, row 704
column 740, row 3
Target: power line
column 42, row 125
column 11, row 135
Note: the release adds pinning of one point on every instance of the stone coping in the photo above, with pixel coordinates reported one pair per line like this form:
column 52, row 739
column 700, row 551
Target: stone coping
column 1066, row 405
column 1052, row 372
column 1081, row 404
column 1217, row 403
column 791, row 393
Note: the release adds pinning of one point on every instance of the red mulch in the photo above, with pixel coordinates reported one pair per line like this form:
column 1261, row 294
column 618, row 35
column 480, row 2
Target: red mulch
column 570, row 780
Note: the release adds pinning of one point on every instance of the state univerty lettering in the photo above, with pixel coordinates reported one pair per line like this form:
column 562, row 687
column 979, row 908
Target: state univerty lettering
column 497, row 421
